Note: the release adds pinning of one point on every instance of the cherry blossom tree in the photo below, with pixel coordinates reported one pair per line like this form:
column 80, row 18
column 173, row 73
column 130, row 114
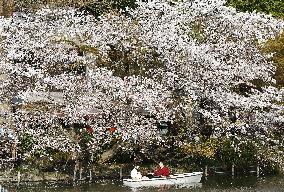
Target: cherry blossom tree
column 196, row 62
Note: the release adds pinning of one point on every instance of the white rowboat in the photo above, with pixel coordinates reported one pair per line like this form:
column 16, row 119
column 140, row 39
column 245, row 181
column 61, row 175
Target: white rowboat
column 176, row 179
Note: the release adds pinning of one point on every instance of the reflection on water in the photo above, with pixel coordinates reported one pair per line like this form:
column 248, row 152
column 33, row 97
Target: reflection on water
column 169, row 188
column 218, row 183
column 3, row 189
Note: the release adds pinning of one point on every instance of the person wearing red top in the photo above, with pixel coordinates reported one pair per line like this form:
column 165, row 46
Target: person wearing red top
column 163, row 171
column 112, row 130
column 89, row 129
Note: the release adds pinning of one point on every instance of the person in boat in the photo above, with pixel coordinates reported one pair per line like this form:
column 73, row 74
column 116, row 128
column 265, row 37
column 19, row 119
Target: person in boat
column 162, row 171
column 135, row 174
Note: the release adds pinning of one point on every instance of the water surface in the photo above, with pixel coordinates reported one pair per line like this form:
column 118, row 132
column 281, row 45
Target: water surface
column 217, row 183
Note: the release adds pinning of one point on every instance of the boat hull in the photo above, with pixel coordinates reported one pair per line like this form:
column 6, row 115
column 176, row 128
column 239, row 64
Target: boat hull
column 188, row 179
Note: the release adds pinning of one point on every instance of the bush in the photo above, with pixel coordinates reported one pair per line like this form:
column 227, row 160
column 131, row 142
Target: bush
column 274, row 7
column 26, row 143
column 276, row 47
column 95, row 7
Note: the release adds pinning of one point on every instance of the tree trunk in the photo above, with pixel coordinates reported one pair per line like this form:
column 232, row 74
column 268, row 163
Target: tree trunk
column 14, row 150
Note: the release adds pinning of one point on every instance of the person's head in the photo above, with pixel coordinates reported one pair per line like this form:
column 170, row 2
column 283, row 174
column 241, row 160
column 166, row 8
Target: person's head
column 161, row 164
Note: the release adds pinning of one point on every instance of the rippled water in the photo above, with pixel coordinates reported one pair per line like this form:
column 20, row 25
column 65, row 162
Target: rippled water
column 217, row 183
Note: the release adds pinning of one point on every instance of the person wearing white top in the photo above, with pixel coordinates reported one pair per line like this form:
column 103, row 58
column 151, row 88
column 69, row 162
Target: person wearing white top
column 135, row 174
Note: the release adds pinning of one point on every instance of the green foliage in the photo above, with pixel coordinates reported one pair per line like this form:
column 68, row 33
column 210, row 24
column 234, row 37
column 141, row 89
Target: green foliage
column 259, row 84
column 26, row 143
column 223, row 152
column 274, row 7
column 95, row 7
column 49, row 159
column 123, row 61
column 247, row 155
column 138, row 60
column 203, row 152
column 6, row 8
column 242, row 155
column 197, row 32
column 36, row 4
column 276, row 47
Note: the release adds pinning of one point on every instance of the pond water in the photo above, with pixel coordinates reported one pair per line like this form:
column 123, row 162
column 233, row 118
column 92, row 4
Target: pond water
column 216, row 183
